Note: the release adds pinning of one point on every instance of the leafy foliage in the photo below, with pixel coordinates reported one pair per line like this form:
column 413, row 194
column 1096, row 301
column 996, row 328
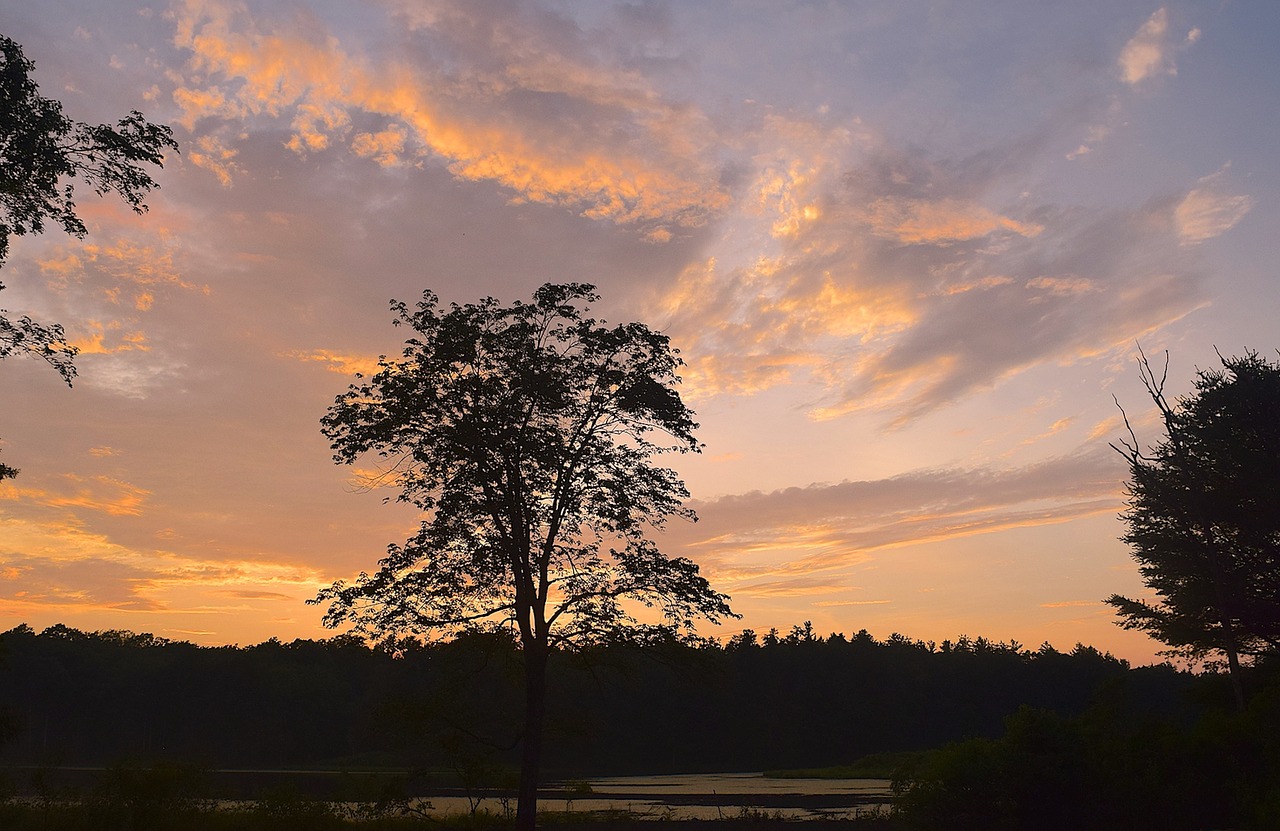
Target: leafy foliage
column 40, row 148
column 1112, row 767
column 42, row 154
column 525, row 433
column 1204, row 519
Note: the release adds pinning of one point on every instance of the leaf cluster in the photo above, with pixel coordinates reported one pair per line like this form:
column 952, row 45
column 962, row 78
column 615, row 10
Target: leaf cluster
column 41, row 148
column 43, row 153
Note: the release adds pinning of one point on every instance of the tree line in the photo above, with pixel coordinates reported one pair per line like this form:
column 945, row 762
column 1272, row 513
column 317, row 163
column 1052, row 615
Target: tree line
column 753, row 702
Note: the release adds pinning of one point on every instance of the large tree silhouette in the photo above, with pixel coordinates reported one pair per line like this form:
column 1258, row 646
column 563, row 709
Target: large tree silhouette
column 526, row 433
column 1204, row 515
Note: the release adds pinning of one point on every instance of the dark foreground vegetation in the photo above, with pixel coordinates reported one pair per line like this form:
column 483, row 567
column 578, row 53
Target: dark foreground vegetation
column 275, row 814
column 975, row 734
column 1110, row 768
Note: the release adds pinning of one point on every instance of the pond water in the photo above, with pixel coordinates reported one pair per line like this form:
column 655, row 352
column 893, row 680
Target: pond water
column 709, row 796
column 676, row 796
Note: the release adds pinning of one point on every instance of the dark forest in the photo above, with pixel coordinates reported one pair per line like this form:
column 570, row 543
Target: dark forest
column 777, row 701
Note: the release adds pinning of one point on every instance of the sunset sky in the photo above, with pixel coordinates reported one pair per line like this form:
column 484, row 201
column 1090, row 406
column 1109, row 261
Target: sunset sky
column 906, row 248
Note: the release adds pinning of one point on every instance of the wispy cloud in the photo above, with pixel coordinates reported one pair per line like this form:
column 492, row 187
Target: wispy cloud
column 522, row 102
column 1209, row 210
column 59, row 563
column 940, row 222
column 826, row 603
column 798, row 533
column 347, row 365
column 915, row 303
column 126, row 271
column 1147, row 53
column 96, row 493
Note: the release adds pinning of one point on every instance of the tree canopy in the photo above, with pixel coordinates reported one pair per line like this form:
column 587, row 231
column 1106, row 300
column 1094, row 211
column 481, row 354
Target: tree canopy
column 526, row 434
column 1203, row 517
column 42, row 155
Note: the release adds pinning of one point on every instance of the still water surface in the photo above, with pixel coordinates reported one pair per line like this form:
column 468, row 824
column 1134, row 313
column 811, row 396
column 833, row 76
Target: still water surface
column 712, row 796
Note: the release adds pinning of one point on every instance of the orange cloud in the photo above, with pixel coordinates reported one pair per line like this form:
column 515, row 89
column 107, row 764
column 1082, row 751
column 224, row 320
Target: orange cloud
column 385, row 147
column 1147, row 52
column 240, row 69
column 1106, row 428
column 767, row 325
column 1054, row 429
column 709, row 375
column 119, row 265
column 1063, row 285
column 59, row 565
column 95, row 341
column 979, row 284
column 1206, row 211
column 210, row 151
column 97, row 493
column 916, row 221
column 334, row 362
column 1151, row 50
column 799, row 587
column 799, row 159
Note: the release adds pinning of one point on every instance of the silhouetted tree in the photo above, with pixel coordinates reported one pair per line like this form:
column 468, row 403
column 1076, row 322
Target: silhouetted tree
column 42, row 153
column 1203, row 516
column 526, row 433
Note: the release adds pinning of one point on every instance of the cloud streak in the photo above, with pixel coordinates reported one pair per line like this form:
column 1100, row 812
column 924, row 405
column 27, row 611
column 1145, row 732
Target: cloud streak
column 57, row 564
column 791, row 540
column 95, row 493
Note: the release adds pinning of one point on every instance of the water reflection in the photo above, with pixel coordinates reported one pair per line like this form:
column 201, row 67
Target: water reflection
column 713, row 796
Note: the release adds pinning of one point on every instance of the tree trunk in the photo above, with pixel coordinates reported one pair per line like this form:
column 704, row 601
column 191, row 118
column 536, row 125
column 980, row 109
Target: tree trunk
column 1230, row 644
column 535, row 686
column 1233, row 672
